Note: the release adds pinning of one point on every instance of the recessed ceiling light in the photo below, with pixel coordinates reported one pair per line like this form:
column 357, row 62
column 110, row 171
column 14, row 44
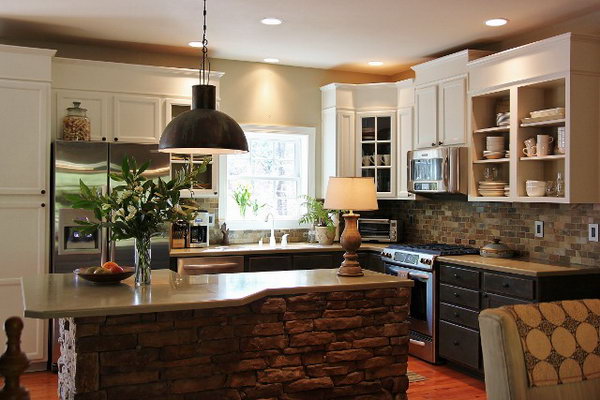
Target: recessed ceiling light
column 271, row 60
column 271, row 21
column 496, row 22
column 375, row 63
column 195, row 44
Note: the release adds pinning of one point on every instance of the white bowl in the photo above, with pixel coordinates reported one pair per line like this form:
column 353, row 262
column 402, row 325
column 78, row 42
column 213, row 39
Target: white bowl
column 536, row 191
column 535, row 183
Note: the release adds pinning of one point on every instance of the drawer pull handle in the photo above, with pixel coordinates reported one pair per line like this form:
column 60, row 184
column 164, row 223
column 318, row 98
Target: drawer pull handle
column 505, row 285
column 416, row 342
column 456, row 343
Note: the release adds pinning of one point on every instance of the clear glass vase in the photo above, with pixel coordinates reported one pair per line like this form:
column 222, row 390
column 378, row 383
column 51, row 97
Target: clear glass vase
column 142, row 261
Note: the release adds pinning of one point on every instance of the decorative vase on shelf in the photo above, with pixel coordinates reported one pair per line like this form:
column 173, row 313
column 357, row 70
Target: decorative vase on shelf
column 143, row 257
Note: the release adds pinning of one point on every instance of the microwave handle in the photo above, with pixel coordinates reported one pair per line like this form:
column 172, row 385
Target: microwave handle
column 445, row 170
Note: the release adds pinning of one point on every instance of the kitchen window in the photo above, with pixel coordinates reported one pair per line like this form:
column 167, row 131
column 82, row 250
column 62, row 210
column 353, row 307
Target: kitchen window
column 277, row 172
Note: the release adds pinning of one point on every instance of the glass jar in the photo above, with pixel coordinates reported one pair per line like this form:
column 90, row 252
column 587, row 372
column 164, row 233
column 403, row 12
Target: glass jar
column 76, row 125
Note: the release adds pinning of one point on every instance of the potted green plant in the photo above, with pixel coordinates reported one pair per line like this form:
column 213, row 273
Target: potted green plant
column 320, row 218
column 242, row 196
column 137, row 208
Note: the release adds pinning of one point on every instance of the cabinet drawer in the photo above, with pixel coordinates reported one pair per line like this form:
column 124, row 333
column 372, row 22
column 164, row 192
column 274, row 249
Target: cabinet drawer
column 273, row 263
column 459, row 344
column 459, row 277
column 459, row 315
column 459, row 296
column 508, row 285
column 312, row 261
column 489, row 300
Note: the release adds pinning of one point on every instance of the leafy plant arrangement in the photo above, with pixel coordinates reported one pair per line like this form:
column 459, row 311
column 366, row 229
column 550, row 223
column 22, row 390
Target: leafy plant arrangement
column 137, row 208
column 316, row 214
column 243, row 198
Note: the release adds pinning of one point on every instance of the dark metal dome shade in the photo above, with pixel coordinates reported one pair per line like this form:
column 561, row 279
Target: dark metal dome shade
column 203, row 130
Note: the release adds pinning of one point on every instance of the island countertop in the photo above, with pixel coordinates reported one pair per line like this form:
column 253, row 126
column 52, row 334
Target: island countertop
column 65, row 295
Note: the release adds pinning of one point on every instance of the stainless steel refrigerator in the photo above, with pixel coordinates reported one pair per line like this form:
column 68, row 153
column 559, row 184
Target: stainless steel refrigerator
column 92, row 162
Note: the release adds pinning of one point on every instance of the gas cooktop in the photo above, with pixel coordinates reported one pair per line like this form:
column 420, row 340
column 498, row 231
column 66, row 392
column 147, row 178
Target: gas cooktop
column 438, row 249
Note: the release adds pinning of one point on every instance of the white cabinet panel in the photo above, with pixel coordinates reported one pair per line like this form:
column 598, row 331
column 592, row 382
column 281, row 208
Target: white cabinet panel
column 24, row 118
column 34, row 336
column 404, row 145
column 346, row 143
column 97, row 105
column 453, row 111
column 23, row 251
column 426, row 117
column 137, row 119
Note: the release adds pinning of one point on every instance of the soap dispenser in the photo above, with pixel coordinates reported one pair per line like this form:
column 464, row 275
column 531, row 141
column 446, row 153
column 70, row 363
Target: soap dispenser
column 284, row 239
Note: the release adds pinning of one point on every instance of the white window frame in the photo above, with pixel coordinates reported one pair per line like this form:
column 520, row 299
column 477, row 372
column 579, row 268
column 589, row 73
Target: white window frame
column 252, row 224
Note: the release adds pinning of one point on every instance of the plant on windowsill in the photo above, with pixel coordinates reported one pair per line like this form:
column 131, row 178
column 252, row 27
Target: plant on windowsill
column 320, row 218
column 242, row 196
column 137, row 208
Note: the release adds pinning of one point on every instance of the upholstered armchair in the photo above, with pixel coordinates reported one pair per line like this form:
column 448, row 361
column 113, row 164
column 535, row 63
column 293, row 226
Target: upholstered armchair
column 545, row 351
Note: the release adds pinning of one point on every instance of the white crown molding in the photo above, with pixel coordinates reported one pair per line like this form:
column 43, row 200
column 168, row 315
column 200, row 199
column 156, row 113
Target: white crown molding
column 450, row 57
column 153, row 68
column 540, row 44
column 26, row 50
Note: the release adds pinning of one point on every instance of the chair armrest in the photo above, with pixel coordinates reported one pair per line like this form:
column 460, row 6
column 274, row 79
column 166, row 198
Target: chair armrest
column 503, row 360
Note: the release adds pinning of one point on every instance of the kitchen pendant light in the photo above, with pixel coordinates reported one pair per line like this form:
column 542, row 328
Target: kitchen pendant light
column 203, row 129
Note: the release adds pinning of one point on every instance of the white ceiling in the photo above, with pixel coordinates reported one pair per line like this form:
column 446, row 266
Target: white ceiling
column 341, row 34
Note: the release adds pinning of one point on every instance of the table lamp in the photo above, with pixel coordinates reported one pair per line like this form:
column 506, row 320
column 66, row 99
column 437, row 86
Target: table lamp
column 353, row 194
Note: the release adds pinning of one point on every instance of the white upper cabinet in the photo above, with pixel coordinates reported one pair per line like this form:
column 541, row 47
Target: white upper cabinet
column 360, row 125
column 125, row 102
column 453, row 112
column 137, row 119
column 97, row 105
column 441, row 99
column 426, row 106
column 24, row 114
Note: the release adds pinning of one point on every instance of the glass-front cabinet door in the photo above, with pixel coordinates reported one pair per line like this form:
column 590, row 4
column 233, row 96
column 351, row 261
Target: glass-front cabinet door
column 376, row 150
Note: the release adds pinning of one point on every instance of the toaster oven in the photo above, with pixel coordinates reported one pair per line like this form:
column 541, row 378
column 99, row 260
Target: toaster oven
column 378, row 230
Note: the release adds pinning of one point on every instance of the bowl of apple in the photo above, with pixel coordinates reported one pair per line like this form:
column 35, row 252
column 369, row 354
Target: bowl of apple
column 109, row 272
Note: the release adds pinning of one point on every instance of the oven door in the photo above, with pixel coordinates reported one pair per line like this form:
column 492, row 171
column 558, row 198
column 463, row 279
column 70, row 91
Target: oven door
column 422, row 298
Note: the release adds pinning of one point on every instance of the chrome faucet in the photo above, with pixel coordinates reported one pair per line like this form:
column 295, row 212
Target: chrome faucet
column 272, row 241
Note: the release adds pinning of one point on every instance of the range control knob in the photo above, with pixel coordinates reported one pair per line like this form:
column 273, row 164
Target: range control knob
column 426, row 261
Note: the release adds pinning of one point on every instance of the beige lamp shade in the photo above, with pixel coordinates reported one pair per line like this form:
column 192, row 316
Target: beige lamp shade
column 355, row 194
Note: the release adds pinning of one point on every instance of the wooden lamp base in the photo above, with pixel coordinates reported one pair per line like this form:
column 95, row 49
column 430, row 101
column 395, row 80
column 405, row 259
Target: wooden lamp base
column 350, row 241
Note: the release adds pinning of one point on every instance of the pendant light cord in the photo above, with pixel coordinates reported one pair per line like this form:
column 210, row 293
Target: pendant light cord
column 204, row 74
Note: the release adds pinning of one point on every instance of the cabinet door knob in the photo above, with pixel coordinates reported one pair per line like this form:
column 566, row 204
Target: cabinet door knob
column 43, row 204
column 455, row 294
column 440, row 143
column 116, row 139
column 433, row 143
column 103, row 139
column 456, row 343
column 505, row 285
column 455, row 276
column 43, row 191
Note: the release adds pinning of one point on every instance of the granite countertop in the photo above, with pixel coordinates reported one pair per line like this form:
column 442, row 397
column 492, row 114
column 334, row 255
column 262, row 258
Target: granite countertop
column 65, row 295
column 244, row 249
column 519, row 266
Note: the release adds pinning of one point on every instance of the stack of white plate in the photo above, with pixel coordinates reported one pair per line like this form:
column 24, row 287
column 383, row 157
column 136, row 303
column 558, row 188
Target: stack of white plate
column 506, row 190
column 492, row 188
column 494, row 147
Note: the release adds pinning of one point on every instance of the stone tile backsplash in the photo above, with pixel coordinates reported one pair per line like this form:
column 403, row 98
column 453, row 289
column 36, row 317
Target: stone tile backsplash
column 449, row 220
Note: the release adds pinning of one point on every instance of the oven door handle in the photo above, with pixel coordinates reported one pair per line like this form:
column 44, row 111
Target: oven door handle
column 418, row 275
column 416, row 342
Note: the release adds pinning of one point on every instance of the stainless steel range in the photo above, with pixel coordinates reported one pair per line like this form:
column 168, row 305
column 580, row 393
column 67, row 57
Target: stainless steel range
column 417, row 262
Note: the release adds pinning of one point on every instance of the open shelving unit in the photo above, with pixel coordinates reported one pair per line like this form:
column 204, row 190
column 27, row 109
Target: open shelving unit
column 551, row 73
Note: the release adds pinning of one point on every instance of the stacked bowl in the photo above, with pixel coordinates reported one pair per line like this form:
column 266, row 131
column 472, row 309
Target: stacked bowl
column 535, row 188
column 494, row 147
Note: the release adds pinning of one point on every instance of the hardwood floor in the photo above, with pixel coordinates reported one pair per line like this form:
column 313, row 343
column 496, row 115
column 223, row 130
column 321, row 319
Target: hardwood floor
column 442, row 383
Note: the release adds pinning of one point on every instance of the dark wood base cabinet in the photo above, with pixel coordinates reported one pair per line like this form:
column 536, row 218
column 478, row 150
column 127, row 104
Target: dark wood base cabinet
column 465, row 291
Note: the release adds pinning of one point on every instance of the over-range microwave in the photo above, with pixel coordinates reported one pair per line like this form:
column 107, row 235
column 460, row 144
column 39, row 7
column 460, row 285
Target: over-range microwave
column 438, row 170
column 378, row 230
